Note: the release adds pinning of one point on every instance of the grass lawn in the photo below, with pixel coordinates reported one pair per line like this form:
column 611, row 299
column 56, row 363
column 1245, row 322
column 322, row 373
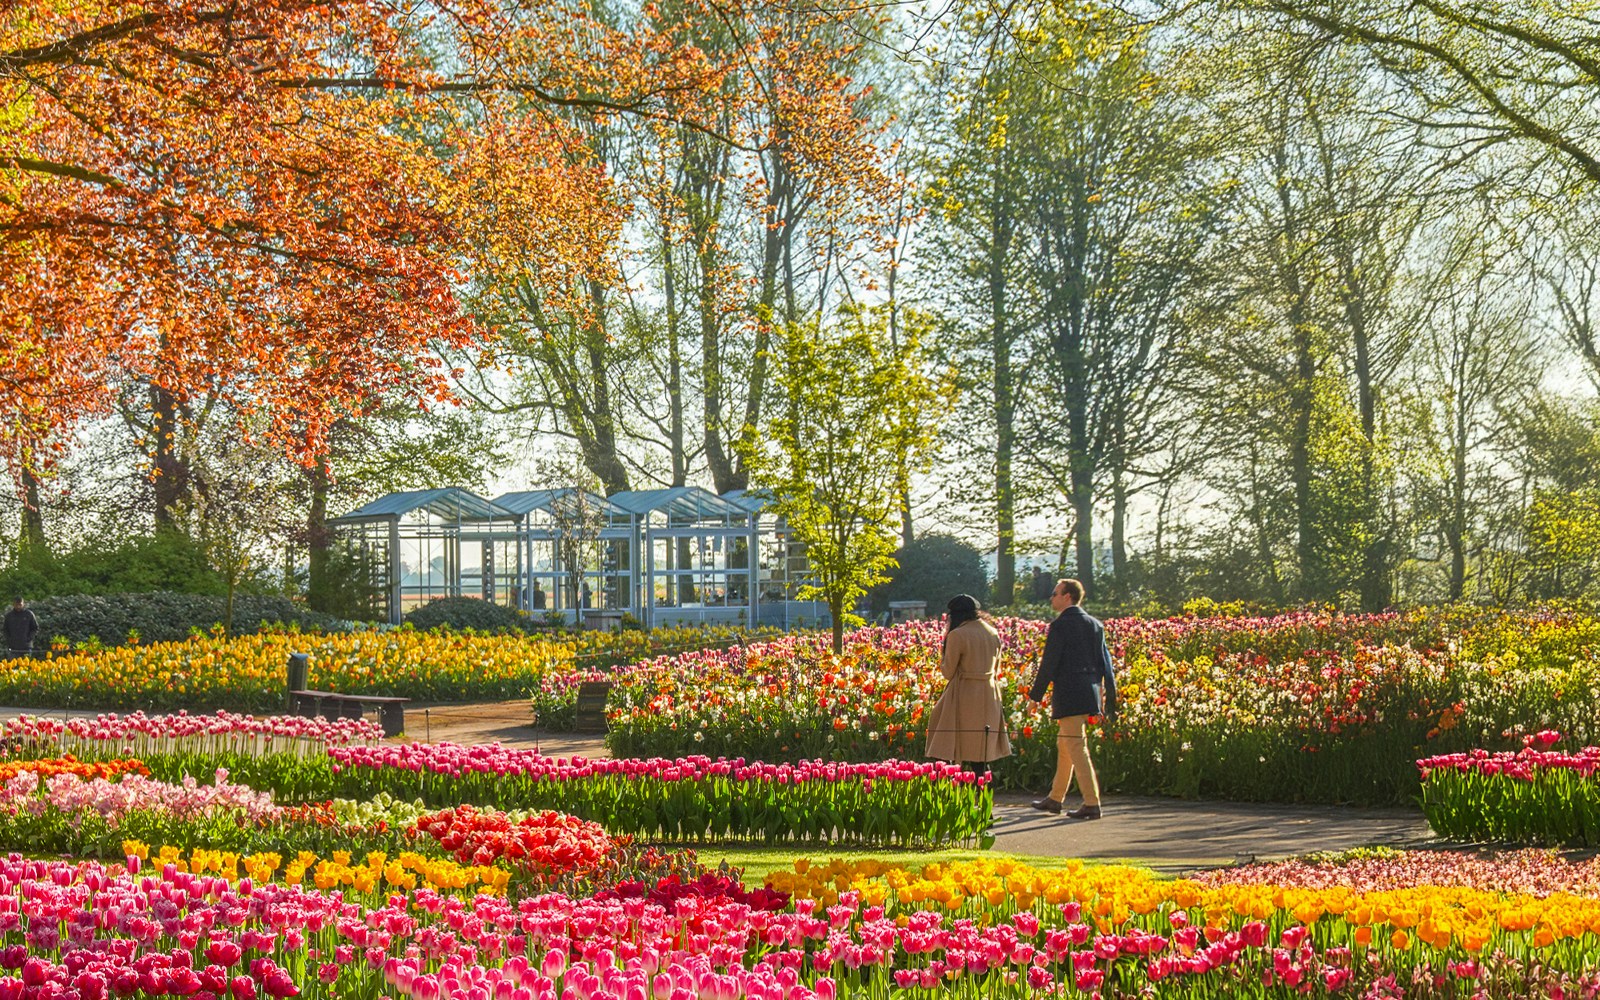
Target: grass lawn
column 758, row 862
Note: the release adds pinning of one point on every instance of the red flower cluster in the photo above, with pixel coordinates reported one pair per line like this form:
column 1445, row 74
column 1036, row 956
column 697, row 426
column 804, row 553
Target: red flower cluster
column 709, row 886
column 545, row 843
column 1525, row 764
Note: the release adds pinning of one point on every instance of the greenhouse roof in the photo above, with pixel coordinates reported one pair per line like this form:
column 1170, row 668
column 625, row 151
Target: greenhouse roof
column 450, row 503
column 754, row 501
column 527, row 501
column 690, row 502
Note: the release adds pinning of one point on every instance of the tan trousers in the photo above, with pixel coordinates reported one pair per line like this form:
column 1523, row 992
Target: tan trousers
column 1072, row 754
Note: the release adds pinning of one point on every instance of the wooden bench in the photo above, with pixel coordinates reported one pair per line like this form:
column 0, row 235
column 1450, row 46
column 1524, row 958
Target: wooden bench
column 391, row 711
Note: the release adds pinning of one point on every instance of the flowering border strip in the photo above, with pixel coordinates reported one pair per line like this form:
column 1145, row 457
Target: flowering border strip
column 1533, row 796
column 689, row 799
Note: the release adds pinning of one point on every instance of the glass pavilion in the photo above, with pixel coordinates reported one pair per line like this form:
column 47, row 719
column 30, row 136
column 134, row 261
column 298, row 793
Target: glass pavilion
column 680, row 554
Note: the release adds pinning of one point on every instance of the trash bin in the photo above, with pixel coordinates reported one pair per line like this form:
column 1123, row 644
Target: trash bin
column 298, row 662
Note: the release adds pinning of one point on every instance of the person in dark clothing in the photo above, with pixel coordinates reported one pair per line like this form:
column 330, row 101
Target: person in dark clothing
column 1077, row 665
column 538, row 596
column 21, row 628
column 1041, row 585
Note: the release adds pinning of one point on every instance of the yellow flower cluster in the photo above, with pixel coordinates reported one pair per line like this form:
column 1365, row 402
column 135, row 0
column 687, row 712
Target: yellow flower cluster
column 1112, row 898
column 375, row 872
column 248, row 670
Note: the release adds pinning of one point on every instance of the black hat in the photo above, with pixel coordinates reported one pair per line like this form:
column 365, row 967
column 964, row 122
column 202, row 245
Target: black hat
column 964, row 605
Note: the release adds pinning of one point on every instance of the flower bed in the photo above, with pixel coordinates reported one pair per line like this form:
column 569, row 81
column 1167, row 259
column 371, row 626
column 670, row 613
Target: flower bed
column 1296, row 707
column 86, row 932
column 246, row 673
column 1532, row 796
column 688, row 799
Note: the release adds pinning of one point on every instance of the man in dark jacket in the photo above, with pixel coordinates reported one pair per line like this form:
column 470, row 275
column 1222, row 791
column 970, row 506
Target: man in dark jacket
column 21, row 628
column 1077, row 664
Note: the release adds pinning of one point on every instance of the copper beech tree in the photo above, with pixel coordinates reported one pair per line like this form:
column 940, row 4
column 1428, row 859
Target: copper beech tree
column 278, row 204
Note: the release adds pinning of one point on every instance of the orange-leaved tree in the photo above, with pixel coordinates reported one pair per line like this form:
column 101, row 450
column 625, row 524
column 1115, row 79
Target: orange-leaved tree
column 275, row 204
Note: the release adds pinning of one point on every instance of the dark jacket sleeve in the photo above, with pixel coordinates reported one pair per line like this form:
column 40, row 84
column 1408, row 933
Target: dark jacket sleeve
column 1109, row 674
column 1055, row 650
column 33, row 627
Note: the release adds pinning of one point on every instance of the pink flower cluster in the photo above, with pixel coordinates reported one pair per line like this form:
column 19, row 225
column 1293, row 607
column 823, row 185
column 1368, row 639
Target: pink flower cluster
column 228, row 727
column 457, row 760
column 1534, row 872
column 1526, row 764
column 76, row 797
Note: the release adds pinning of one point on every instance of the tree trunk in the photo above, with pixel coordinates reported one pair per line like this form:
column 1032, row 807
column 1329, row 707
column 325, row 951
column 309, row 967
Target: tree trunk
column 1302, row 398
column 836, row 609
column 1005, row 437
column 171, row 476
column 319, row 540
column 1119, row 526
column 1374, row 587
column 32, row 541
column 1457, row 533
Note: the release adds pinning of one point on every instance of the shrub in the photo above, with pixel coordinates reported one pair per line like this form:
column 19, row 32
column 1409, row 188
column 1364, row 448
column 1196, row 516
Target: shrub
column 934, row 568
column 168, row 561
column 164, row 617
column 468, row 612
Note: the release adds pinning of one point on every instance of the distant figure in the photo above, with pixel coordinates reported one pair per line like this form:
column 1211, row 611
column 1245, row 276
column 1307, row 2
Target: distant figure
column 21, row 628
column 1042, row 585
column 538, row 596
column 967, row 725
column 587, row 595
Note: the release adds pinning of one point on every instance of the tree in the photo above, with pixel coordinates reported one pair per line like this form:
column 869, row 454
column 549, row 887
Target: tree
column 271, row 203
column 1490, row 71
column 1471, row 373
column 654, row 364
column 237, row 513
column 1078, row 196
column 854, row 406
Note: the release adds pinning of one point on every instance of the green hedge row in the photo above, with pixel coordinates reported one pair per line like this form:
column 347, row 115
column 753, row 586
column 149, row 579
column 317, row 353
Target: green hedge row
column 165, row 617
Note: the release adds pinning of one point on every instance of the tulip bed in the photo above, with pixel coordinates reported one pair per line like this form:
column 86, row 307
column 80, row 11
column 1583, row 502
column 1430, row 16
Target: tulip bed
column 209, row 926
column 688, row 799
column 1535, row 795
column 246, row 674
column 1296, row 707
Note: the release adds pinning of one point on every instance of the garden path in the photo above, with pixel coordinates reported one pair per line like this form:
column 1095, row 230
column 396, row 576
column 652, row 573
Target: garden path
column 1168, row 834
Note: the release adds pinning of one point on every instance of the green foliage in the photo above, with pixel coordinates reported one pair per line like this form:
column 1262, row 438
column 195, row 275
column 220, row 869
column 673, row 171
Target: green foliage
column 167, row 561
column 468, row 612
column 856, row 419
column 1545, row 806
column 164, row 617
column 933, row 568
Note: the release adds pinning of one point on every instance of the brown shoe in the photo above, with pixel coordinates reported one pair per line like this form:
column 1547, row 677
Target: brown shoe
column 1083, row 812
column 1047, row 805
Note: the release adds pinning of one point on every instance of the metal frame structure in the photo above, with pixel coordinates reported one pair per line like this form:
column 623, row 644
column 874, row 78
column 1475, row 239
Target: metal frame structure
column 449, row 536
column 783, row 567
column 577, row 552
column 680, row 554
column 694, row 548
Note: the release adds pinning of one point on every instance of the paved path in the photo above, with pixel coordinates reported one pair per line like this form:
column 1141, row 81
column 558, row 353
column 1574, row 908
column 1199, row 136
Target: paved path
column 1176, row 835
column 1169, row 834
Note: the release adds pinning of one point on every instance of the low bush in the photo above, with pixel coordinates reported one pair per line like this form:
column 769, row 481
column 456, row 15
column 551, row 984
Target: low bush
column 167, row 560
column 461, row 613
column 933, row 569
column 161, row 616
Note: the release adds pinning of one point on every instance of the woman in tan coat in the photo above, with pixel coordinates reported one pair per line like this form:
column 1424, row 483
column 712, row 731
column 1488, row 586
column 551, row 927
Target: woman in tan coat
column 968, row 725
